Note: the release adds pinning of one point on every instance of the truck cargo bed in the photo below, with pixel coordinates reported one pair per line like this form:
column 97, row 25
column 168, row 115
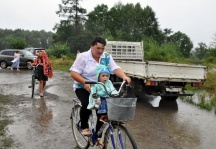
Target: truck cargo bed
column 164, row 71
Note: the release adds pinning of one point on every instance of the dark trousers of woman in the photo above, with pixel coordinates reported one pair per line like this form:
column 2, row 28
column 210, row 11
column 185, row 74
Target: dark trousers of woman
column 83, row 96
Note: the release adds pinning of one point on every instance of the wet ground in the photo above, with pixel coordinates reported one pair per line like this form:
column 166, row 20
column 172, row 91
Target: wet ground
column 44, row 123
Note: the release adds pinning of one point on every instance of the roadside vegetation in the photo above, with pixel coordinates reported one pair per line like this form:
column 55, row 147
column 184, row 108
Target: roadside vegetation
column 206, row 95
column 61, row 63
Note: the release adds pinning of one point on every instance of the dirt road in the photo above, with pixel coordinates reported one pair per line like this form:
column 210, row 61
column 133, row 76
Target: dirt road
column 45, row 123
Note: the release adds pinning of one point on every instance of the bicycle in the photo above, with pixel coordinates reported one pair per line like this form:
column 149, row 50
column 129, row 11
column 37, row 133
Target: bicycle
column 113, row 131
column 33, row 82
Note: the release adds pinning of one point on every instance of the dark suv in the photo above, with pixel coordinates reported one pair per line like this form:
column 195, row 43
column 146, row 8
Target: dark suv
column 6, row 56
column 34, row 50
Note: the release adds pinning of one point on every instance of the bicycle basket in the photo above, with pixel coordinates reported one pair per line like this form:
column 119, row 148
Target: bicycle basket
column 121, row 109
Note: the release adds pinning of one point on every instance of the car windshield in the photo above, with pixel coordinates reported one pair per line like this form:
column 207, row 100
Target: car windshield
column 27, row 53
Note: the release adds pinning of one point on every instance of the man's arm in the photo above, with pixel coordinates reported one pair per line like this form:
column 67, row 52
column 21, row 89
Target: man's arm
column 122, row 75
column 77, row 77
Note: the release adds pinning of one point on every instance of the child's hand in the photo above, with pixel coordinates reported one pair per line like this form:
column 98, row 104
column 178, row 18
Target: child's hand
column 98, row 102
column 95, row 96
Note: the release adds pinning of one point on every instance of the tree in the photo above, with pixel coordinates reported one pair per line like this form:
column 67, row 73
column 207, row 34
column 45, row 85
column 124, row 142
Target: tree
column 213, row 43
column 70, row 31
column 31, row 38
column 74, row 14
column 123, row 22
column 201, row 51
column 184, row 43
column 16, row 43
column 97, row 20
column 166, row 33
column 151, row 25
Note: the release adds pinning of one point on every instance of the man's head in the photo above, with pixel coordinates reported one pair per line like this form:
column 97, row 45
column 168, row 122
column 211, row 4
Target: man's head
column 97, row 46
column 98, row 40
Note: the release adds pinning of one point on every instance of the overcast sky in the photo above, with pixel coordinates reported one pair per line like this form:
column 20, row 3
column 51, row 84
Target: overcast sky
column 196, row 18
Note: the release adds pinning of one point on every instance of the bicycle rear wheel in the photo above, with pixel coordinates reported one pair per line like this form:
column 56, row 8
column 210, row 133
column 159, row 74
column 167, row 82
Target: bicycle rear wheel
column 33, row 86
column 121, row 136
column 81, row 141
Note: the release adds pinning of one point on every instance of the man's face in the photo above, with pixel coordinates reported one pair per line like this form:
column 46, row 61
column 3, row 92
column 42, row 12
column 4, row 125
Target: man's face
column 103, row 77
column 97, row 50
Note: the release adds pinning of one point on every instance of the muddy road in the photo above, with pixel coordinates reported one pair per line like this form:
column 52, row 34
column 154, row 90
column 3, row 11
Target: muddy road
column 44, row 123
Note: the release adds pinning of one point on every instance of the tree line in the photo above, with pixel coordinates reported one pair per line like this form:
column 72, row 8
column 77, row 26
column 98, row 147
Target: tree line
column 129, row 22
column 20, row 39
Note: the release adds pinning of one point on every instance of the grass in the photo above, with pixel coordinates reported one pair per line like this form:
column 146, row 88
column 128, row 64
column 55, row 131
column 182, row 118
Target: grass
column 210, row 87
column 206, row 93
column 5, row 141
column 210, row 83
column 63, row 64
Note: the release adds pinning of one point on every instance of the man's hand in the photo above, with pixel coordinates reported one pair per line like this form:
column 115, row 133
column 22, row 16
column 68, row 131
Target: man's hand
column 87, row 87
column 126, row 78
column 122, row 75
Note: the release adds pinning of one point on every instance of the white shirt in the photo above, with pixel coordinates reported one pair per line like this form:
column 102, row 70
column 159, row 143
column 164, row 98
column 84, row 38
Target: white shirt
column 86, row 66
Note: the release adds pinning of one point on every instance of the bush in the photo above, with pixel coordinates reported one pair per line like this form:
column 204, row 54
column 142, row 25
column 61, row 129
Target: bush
column 59, row 50
column 165, row 52
column 210, row 83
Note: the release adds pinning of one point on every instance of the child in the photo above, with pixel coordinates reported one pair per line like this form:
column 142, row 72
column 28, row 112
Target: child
column 16, row 61
column 96, row 98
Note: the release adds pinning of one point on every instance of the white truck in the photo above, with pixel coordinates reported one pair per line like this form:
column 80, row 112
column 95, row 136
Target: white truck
column 164, row 79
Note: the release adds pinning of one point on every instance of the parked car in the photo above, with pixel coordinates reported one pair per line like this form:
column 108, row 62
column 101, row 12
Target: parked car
column 6, row 56
column 34, row 50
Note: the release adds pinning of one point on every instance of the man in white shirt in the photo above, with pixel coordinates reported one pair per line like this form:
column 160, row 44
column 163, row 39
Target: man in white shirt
column 84, row 68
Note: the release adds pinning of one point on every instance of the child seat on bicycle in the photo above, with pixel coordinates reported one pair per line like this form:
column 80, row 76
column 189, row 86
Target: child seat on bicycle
column 98, row 94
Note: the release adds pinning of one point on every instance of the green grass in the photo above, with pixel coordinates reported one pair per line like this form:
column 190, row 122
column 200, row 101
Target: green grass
column 210, row 83
column 207, row 93
column 61, row 63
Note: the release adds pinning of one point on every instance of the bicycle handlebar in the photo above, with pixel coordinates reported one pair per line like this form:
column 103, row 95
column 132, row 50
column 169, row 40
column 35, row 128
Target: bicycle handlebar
column 90, row 82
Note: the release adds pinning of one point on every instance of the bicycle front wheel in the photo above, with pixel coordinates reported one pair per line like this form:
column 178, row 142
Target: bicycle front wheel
column 120, row 138
column 81, row 141
column 33, row 86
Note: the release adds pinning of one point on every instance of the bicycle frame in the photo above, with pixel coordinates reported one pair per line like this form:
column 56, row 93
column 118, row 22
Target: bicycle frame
column 33, row 80
column 113, row 132
column 107, row 125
